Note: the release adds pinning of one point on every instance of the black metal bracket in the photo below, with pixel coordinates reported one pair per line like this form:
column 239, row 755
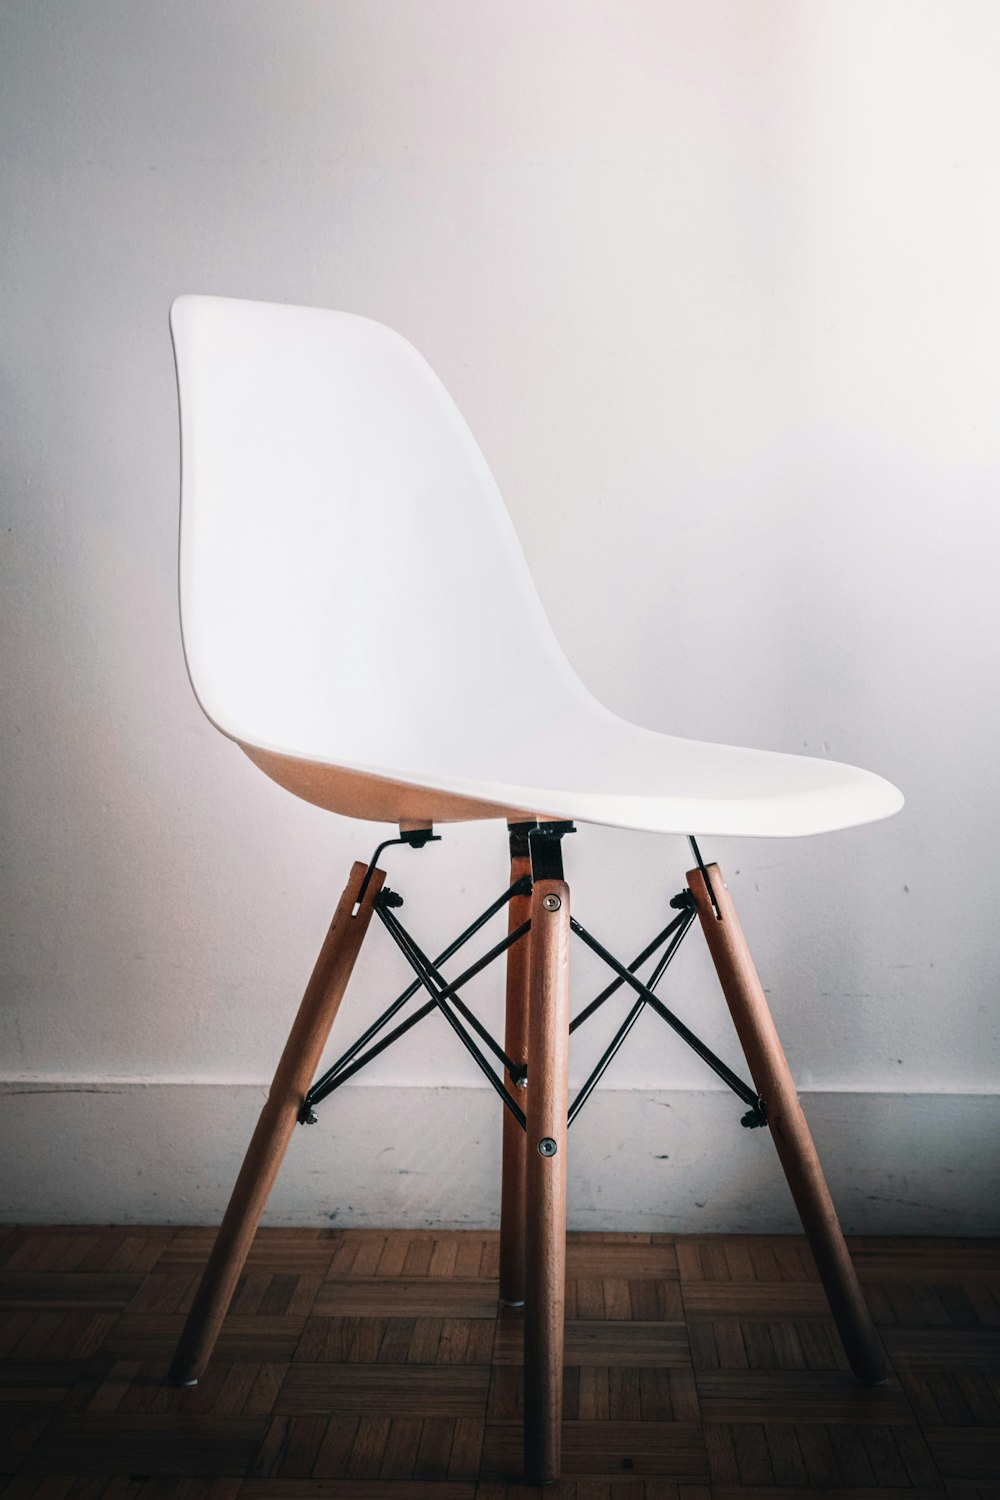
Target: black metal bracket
column 704, row 875
column 416, row 838
column 545, row 848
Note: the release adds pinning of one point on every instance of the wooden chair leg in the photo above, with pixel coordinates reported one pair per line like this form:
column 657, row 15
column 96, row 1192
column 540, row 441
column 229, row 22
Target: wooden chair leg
column 274, row 1129
column 516, row 1047
column 789, row 1131
column 545, row 1172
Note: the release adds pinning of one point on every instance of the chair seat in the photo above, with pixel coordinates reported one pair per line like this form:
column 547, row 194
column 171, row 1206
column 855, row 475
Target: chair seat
column 598, row 768
column 358, row 614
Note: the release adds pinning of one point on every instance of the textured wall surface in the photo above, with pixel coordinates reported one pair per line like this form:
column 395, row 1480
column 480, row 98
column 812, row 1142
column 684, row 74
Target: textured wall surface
column 715, row 287
column 674, row 1162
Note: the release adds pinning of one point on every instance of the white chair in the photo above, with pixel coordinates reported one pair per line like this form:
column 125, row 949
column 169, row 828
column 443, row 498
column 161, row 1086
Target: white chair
column 358, row 617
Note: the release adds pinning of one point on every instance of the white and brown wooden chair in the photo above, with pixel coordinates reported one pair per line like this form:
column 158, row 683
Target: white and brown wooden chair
column 358, row 617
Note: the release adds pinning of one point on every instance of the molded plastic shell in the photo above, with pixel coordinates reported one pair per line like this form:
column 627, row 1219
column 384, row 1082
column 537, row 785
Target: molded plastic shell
column 357, row 612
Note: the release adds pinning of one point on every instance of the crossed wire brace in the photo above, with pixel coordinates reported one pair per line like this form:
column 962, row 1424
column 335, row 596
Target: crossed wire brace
column 444, row 998
column 350, row 1063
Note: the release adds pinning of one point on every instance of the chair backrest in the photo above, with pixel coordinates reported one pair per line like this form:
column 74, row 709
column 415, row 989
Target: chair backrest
column 351, row 585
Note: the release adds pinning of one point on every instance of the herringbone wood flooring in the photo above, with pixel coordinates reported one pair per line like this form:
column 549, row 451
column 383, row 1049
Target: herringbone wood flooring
column 374, row 1364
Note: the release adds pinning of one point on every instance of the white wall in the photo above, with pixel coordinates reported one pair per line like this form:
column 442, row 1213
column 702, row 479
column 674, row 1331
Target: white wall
column 715, row 285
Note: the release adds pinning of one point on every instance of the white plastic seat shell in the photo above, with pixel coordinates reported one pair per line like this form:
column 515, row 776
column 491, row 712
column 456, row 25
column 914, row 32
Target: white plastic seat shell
column 358, row 615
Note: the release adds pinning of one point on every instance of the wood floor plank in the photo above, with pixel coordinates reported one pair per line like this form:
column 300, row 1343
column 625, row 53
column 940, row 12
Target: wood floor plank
column 443, row 1256
column 424, row 1341
column 655, row 1299
column 966, row 1454
column 417, row 1261
column 378, row 1489
column 396, row 1342
column 852, row 1456
column 415, row 1390
column 114, row 1386
column 335, row 1449
column 617, row 1298
column 378, row 1364
column 22, row 1427
column 368, row 1256
column 55, row 1290
column 798, row 1396
column 943, row 1349
column 38, row 1382
column 595, row 1450
column 981, row 1395
column 466, row 1449
column 631, row 1344
column 739, row 1261
column 394, row 1253
column 445, row 1297
column 117, row 1443
column 786, row 1455
column 471, row 1250
column 821, row 1346
column 752, row 1456
column 291, row 1252
column 631, row 1261
column 884, row 1455
column 818, row 1455
column 604, row 1343
column 760, row 1299
column 168, row 1292
column 764, row 1261
column 929, row 1261
column 290, row 1447
column 437, row 1436
column 400, row 1450
column 829, row 1492
column 489, row 1265
column 704, row 1350
column 154, row 1337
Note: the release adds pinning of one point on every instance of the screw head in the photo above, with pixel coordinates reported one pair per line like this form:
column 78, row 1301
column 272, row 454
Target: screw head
column 551, row 903
column 547, row 1146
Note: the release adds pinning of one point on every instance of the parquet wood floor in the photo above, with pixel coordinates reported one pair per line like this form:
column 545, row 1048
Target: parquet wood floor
column 374, row 1365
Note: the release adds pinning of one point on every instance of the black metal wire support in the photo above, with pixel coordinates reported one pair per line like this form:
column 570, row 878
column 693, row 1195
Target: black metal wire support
column 325, row 1085
column 680, row 927
column 756, row 1114
column 543, row 842
column 636, row 963
column 430, row 978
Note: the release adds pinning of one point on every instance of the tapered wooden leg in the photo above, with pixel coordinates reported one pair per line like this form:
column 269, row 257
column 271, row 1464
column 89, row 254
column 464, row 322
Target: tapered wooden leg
column 545, row 1172
column 274, row 1128
column 789, row 1131
column 516, row 1046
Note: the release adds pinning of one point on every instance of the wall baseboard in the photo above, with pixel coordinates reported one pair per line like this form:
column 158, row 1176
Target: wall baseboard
column 150, row 1153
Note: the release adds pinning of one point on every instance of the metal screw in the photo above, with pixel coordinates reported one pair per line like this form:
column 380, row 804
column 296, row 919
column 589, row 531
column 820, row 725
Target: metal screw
column 551, row 903
column 547, row 1146
column 522, row 1083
